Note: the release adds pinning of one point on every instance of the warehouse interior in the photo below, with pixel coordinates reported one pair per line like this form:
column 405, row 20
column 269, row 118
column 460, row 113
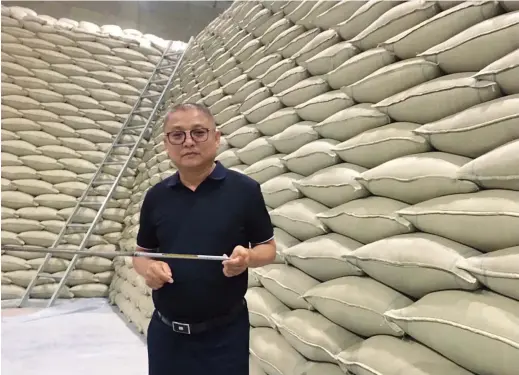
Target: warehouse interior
column 384, row 136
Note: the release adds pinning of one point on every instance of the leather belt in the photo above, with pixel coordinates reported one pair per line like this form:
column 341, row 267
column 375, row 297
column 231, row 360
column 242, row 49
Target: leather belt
column 194, row 328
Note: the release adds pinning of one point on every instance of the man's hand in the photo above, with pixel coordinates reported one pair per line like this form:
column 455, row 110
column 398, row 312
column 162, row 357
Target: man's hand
column 237, row 263
column 157, row 274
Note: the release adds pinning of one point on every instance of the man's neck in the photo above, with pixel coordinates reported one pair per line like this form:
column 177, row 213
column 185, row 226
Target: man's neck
column 192, row 178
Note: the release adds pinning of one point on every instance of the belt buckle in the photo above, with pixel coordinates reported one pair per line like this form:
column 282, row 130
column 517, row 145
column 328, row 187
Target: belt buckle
column 181, row 328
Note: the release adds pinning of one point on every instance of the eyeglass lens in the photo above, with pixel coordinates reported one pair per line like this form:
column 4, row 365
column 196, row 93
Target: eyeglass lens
column 197, row 135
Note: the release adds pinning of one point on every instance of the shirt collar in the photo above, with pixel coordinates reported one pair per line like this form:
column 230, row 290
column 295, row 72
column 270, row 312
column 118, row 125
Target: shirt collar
column 219, row 172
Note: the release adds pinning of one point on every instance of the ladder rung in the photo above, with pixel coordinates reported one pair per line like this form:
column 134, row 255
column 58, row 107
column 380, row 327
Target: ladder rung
column 90, row 203
column 77, row 228
column 124, row 145
column 169, row 66
column 51, row 277
column 102, row 182
column 142, row 110
column 150, row 96
column 46, row 276
column 159, row 81
column 134, row 127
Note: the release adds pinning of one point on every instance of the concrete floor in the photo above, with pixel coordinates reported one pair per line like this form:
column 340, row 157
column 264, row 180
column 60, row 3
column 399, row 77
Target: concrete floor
column 80, row 337
column 13, row 311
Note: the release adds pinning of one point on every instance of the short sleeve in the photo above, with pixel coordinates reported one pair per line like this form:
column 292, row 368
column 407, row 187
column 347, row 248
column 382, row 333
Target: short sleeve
column 258, row 226
column 147, row 235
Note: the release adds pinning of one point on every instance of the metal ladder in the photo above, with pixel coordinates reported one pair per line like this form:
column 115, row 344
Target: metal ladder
column 89, row 192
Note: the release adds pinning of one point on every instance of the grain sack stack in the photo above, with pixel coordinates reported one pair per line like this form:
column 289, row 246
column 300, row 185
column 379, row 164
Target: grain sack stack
column 67, row 88
column 385, row 139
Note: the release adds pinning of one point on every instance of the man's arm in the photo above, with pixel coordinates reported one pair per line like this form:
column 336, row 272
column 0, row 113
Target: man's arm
column 141, row 264
column 260, row 231
column 263, row 254
column 155, row 272
column 146, row 237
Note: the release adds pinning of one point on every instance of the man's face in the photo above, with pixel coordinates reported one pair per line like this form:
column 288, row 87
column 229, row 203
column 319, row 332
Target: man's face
column 191, row 138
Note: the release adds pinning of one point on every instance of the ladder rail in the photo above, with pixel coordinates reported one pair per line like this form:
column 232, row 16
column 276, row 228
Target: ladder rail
column 108, row 152
column 65, row 226
column 120, row 132
column 115, row 183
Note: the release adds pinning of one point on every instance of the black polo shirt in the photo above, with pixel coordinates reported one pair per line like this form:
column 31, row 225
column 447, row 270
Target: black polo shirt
column 225, row 211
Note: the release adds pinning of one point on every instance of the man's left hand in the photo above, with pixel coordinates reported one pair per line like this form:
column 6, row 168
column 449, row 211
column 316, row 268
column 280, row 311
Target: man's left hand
column 237, row 263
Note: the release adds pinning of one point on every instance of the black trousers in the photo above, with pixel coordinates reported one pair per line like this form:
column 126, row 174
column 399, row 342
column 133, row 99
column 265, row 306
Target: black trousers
column 220, row 351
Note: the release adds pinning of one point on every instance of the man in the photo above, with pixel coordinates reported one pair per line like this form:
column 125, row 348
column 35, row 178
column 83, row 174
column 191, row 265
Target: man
column 200, row 324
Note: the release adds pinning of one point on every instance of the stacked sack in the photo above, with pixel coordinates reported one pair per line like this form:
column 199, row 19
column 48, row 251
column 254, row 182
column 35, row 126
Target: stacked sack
column 385, row 137
column 67, row 89
column 130, row 294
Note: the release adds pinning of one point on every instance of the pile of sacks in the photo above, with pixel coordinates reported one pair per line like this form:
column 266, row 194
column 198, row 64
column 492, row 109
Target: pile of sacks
column 67, row 89
column 385, row 137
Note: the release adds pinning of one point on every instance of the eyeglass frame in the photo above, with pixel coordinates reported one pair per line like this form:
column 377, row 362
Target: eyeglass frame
column 184, row 132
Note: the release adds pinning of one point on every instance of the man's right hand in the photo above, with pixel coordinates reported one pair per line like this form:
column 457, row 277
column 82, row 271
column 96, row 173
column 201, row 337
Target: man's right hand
column 157, row 274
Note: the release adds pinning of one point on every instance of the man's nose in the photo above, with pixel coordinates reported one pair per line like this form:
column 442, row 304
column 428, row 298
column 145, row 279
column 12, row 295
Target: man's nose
column 188, row 141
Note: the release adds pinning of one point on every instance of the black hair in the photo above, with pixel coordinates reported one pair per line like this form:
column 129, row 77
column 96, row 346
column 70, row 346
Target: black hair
column 186, row 106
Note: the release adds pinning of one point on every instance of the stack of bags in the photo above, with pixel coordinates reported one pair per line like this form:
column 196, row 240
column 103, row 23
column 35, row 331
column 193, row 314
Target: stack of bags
column 385, row 137
column 67, row 89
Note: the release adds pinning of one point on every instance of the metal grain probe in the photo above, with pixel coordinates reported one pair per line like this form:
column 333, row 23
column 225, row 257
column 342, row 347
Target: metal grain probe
column 112, row 254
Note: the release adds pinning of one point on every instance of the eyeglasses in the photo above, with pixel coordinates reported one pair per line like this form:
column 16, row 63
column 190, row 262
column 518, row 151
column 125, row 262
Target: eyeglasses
column 178, row 137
